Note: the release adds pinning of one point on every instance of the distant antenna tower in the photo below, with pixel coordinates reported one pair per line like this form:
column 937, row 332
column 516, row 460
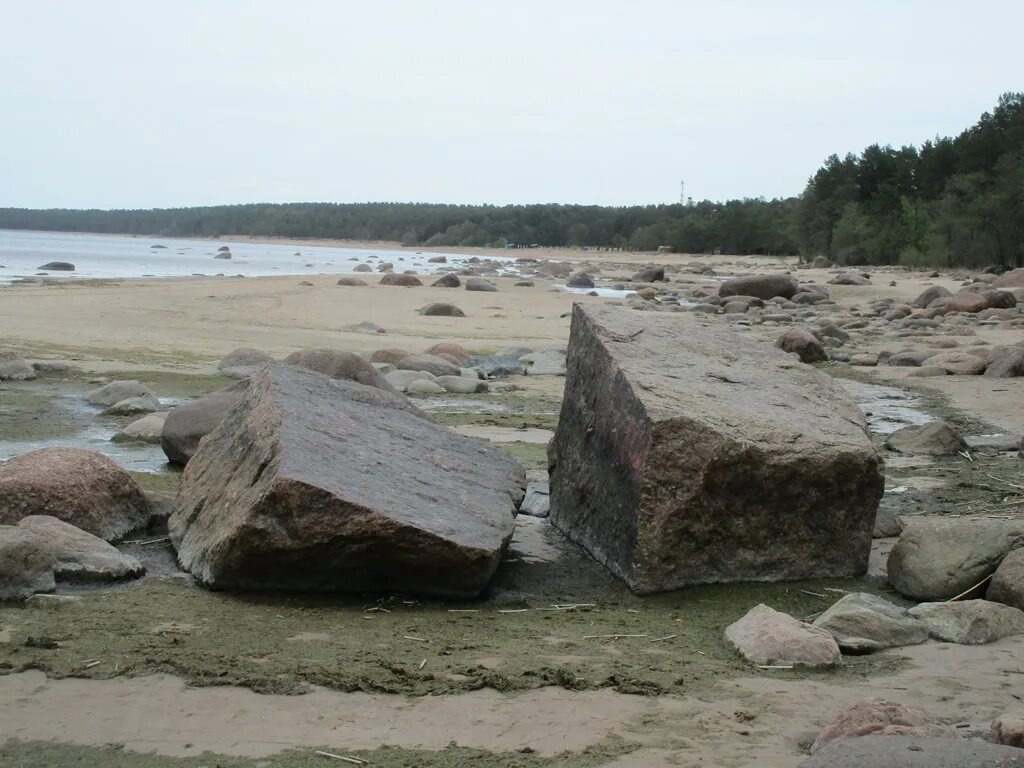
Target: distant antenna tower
column 682, row 192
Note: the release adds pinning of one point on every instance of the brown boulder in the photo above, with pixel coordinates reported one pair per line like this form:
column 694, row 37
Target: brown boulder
column 313, row 484
column 339, row 365
column 762, row 286
column 804, row 344
column 405, row 281
column 1012, row 279
column 80, row 487
column 1005, row 362
column 677, row 446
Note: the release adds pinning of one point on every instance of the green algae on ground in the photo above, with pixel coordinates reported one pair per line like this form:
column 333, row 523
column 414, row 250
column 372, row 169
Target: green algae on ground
column 280, row 644
column 530, row 455
column 166, row 482
column 43, row 754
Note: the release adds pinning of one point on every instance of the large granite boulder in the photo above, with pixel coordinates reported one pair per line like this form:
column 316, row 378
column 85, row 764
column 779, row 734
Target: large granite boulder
column 687, row 455
column 1005, row 363
column 1012, row 279
column 339, row 365
column 767, row 637
column 26, row 564
column 762, row 286
column 803, row 344
column 862, row 622
column 914, row 752
column 79, row 555
column 931, row 294
column 187, row 424
column 80, row 487
column 936, row 559
column 313, row 484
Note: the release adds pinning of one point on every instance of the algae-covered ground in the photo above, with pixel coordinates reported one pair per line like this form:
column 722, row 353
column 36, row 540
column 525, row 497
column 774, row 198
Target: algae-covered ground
column 517, row 640
column 35, row 754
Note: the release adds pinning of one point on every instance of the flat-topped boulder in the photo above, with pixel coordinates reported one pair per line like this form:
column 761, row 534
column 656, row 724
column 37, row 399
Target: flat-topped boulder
column 688, row 455
column 314, row 484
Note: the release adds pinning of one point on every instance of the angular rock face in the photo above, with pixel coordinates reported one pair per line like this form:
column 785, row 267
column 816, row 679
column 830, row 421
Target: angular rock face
column 312, row 484
column 767, row 637
column 762, row 286
column 862, row 623
column 190, row 422
column 687, row 456
column 80, row 487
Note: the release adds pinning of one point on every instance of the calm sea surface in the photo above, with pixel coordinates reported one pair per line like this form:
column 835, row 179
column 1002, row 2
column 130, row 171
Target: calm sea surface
column 107, row 256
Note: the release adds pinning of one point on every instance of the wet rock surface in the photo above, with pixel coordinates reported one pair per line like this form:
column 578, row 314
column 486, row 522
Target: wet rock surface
column 319, row 485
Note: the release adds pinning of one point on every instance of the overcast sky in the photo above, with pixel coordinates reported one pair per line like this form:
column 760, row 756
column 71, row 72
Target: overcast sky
column 142, row 104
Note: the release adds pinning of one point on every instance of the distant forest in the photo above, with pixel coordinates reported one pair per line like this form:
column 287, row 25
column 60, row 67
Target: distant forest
column 952, row 201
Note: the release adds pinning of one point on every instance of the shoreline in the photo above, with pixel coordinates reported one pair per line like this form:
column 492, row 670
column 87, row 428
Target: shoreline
column 553, row 253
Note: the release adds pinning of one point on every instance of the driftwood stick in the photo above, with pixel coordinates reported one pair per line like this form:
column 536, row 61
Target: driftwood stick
column 970, row 589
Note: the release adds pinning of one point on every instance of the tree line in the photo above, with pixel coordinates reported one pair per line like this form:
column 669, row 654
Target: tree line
column 951, row 201
column 735, row 227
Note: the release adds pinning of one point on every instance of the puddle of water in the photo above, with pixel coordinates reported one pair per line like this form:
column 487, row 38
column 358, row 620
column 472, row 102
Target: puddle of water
column 886, row 408
column 94, row 434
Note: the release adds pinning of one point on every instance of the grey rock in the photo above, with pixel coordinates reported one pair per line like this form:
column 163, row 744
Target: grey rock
column 58, row 266
column 148, row 429
column 861, row 623
column 970, row 622
column 116, row 391
column 496, row 365
column 133, row 406
column 26, row 564
column 480, row 284
column 1007, row 585
column 547, row 364
column 678, row 444
column 243, row 362
column 936, row 438
column 461, row 385
column 450, row 280
column 432, row 364
column 937, row 559
column 402, row 379
column 425, row 387
column 188, row 423
column 13, row 367
column 80, row 556
column 537, row 502
column 303, row 487
column 440, row 309
column 803, row 344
